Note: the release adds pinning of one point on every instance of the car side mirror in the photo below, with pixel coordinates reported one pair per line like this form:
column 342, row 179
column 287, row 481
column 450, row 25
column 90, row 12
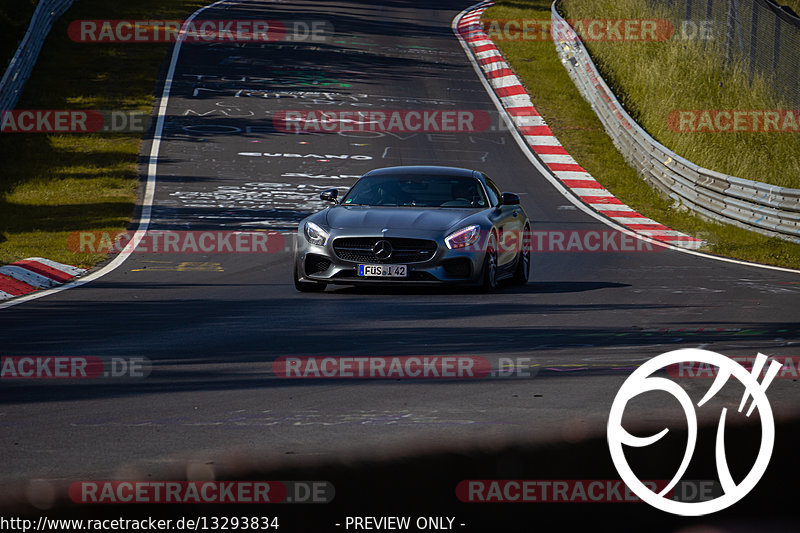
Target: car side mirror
column 509, row 198
column 329, row 195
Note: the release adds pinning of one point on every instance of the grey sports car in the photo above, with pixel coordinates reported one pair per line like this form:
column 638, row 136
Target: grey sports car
column 415, row 225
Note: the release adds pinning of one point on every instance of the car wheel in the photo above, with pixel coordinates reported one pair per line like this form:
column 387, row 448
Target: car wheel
column 308, row 286
column 523, row 271
column 490, row 264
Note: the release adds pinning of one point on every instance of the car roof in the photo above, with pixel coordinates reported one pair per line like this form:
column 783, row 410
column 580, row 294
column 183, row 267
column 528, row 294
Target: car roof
column 424, row 169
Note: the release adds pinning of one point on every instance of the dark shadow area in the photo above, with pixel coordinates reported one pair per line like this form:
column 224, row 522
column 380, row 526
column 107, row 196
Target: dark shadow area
column 395, row 18
column 14, row 19
column 175, row 332
column 414, row 481
column 505, row 287
column 66, row 217
column 25, row 159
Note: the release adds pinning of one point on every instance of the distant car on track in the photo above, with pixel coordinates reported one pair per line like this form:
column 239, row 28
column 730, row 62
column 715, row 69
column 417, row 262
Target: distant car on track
column 415, row 225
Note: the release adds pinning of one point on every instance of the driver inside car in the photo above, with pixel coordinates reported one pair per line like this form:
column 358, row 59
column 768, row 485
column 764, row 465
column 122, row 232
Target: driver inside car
column 465, row 192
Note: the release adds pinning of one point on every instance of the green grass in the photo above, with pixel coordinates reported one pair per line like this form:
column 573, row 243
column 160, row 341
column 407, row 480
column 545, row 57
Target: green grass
column 582, row 134
column 53, row 185
column 655, row 79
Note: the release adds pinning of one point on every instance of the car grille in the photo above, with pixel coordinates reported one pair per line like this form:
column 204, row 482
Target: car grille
column 316, row 264
column 360, row 250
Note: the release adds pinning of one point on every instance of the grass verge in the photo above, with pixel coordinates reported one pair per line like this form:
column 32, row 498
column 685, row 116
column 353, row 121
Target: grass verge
column 54, row 184
column 580, row 131
column 657, row 80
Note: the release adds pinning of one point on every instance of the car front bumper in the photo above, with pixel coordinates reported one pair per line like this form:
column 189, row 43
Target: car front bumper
column 444, row 266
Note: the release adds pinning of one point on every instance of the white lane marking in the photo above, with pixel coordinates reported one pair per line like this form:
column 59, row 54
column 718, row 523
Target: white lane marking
column 558, row 186
column 147, row 204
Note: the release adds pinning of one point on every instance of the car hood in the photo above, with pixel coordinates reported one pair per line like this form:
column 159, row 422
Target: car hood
column 362, row 217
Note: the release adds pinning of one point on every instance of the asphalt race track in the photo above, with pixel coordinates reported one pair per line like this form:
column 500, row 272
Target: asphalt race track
column 211, row 325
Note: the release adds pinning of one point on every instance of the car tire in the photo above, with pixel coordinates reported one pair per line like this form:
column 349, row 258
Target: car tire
column 523, row 270
column 308, row 286
column 490, row 264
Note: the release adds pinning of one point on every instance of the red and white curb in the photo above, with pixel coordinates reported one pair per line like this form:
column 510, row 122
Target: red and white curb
column 33, row 274
column 545, row 145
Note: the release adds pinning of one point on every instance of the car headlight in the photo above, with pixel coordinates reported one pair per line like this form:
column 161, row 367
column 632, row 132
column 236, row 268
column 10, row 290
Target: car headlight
column 462, row 237
column 315, row 234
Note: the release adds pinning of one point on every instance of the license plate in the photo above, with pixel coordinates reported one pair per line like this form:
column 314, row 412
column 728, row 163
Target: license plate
column 383, row 271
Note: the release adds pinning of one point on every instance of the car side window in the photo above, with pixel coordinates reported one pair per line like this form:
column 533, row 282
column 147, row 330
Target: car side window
column 494, row 192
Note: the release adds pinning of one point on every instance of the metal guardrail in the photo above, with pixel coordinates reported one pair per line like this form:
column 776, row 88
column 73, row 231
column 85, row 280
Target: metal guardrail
column 756, row 206
column 21, row 65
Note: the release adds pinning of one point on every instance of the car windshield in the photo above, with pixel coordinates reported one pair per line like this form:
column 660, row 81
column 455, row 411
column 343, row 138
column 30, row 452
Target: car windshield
column 417, row 191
